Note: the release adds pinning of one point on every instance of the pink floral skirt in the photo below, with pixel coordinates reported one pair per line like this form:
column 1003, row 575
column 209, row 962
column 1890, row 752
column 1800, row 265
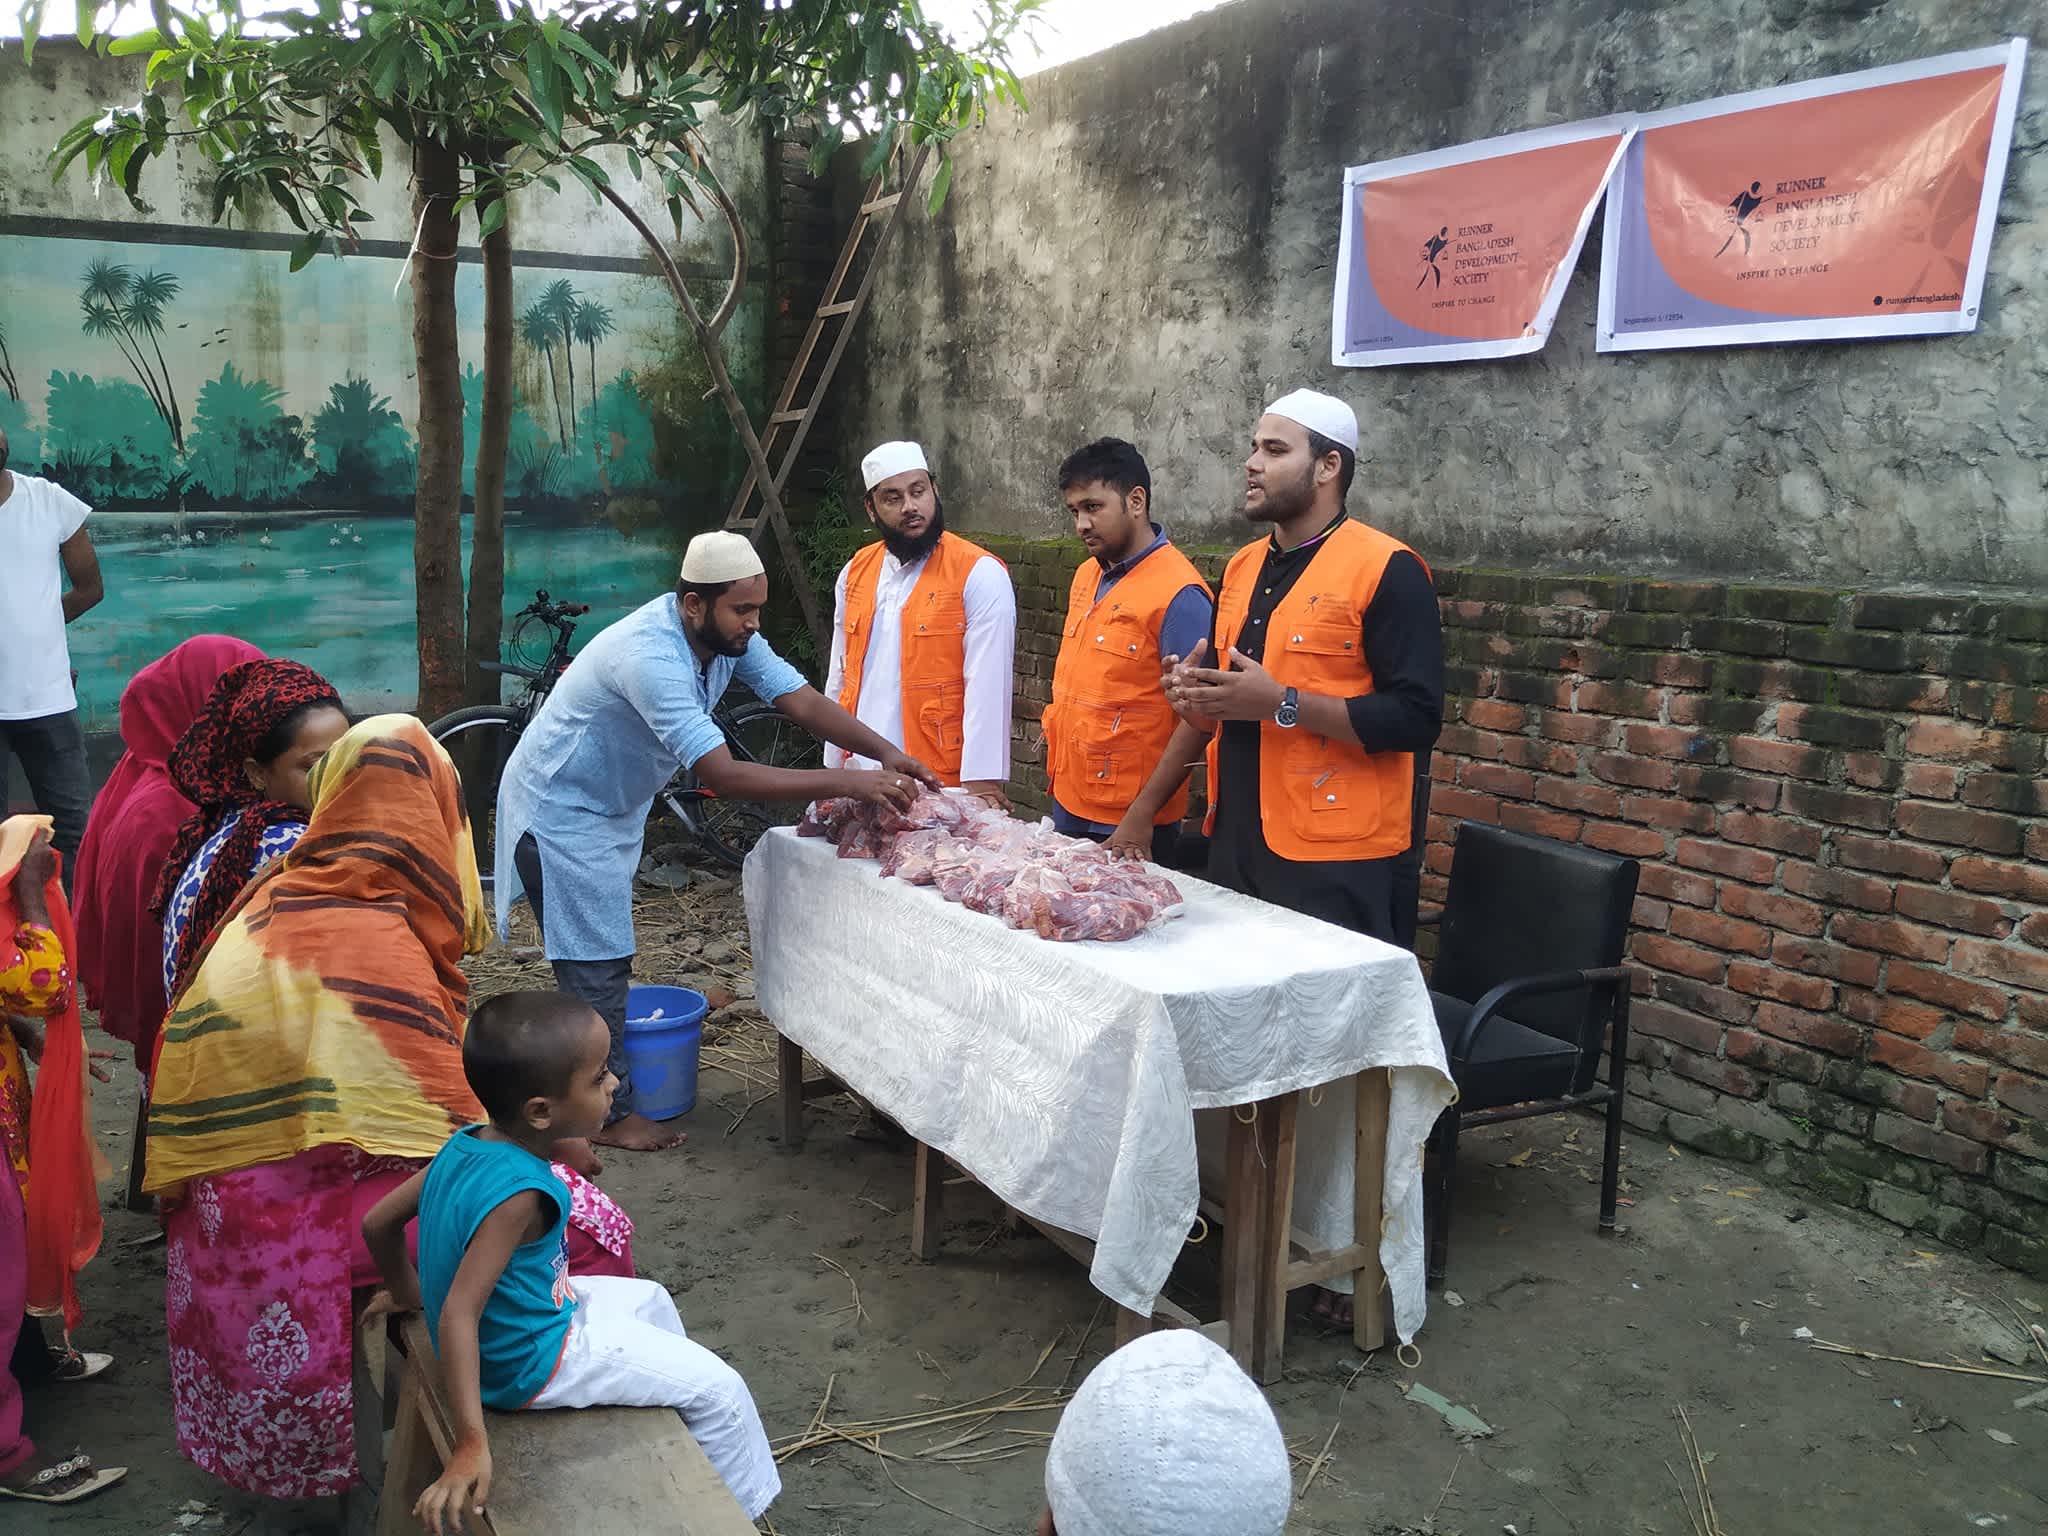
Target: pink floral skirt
column 261, row 1273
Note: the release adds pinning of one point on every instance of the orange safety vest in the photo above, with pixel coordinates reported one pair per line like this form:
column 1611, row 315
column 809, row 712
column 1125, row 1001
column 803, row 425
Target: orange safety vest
column 933, row 654
column 1109, row 722
column 1321, row 798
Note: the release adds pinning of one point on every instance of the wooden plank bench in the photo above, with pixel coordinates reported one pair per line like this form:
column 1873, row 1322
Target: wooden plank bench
column 553, row 1471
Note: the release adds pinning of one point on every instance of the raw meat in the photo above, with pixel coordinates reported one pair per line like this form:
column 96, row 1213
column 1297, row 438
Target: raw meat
column 1060, row 888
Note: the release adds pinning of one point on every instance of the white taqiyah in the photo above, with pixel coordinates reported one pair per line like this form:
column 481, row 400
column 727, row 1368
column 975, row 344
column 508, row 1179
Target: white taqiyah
column 1319, row 413
column 891, row 459
column 721, row 556
column 1167, row 1437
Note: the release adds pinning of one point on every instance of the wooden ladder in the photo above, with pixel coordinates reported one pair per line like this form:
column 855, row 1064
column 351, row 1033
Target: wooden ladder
column 750, row 513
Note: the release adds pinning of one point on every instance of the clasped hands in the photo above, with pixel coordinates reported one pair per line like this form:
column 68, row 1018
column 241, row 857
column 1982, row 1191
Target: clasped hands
column 1245, row 691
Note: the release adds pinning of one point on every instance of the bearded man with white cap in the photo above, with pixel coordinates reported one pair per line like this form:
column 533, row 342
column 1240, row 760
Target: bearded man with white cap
column 924, row 631
column 634, row 707
column 1167, row 1437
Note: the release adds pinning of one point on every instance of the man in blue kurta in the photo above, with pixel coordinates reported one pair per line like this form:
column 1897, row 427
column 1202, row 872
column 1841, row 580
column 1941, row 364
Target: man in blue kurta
column 633, row 708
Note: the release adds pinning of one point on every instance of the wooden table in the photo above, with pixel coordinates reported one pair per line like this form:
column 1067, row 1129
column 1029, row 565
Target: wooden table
column 1264, row 1257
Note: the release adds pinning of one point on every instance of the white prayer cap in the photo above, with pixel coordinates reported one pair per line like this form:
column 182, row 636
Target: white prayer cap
column 1319, row 413
column 1167, row 1437
column 721, row 556
column 891, row 459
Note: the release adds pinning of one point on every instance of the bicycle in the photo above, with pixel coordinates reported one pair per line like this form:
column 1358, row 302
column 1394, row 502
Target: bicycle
column 480, row 739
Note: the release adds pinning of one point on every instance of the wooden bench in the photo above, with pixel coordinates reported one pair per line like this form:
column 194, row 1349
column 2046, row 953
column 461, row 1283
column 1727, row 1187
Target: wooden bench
column 553, row 1471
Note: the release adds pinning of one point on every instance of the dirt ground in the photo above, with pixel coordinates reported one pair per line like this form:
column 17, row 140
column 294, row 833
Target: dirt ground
column 1574, row 1351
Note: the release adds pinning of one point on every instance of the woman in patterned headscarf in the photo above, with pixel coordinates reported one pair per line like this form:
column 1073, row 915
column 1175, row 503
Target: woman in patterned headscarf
column 312, row 1063
column 244, row 763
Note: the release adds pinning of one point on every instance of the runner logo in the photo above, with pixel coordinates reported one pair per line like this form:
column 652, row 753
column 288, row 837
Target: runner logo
column 1740, row 207
column 1432, row 248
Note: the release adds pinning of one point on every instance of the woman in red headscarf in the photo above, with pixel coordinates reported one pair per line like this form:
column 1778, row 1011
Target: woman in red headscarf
column 135, row 821
column 244, row 763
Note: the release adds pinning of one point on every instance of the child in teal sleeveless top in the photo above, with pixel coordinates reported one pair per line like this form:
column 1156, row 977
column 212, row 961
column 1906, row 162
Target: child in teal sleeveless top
column 512, row 1327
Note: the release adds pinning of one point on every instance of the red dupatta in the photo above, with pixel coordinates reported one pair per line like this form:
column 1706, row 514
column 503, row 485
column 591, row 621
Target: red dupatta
column 62, row 1195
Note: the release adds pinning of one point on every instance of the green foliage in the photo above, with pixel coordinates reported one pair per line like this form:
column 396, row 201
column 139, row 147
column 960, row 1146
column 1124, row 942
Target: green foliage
column 287, row 105
column 128, row 308
column 24, row 444
column 245, row 449
column 830, row 536
column 361, row 446
column 106, row 442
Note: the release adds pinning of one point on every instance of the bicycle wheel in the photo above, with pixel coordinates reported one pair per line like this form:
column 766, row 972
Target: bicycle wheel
column 480, row 740
column 728, row 829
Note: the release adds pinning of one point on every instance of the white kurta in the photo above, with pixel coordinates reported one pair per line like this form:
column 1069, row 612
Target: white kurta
column 990, row 651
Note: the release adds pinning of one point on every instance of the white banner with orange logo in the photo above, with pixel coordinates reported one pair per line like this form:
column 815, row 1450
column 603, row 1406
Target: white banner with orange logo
column 1861, row 205
column 1465, row 252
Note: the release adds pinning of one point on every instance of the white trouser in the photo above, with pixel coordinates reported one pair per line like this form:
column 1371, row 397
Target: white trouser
column 627, row 1349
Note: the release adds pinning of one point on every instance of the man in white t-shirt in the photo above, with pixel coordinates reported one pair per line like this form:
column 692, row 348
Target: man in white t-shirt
column 42, row 532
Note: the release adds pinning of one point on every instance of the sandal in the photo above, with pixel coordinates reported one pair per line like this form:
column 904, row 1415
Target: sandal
column 77, row 1364
column 65, row 1482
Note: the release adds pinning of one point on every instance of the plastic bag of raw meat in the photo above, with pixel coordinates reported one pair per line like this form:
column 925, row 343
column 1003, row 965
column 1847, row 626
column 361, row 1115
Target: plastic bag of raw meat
column 1129, row 882
column 954, row 866
column 1043, row 900
column 913, row 856
column 949, row 809
column 823, row 818
column 989, row 883
column 862, row 839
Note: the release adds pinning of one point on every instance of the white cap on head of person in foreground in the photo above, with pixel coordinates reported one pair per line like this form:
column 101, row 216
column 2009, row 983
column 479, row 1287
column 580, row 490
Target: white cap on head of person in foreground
column 1167, row 1437
column 1323, row 414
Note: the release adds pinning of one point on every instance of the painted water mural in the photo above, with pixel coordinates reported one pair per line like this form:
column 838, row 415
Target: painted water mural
column 243, row 434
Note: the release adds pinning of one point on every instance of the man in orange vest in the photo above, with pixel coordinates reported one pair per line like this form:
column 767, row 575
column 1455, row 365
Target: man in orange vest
column 1137, row 599
column 924, row 633
column 1333, row 686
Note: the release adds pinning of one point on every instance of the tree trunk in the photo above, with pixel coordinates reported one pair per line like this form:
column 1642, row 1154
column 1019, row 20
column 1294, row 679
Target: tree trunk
column 494, row 432
column 437, row 496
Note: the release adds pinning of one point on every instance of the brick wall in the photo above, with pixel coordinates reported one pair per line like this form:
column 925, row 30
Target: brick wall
column 1840, row 807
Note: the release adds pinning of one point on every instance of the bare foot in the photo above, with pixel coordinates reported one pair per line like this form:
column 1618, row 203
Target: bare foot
column 637, row 1133
column 1331, row 1307
column 717, row 997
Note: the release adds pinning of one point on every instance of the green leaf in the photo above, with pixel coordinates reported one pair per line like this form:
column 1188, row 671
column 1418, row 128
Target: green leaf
column 88, row 10
column 373, row 151
column 286, row 201
column 941, row 183
column 589, row 170
column 71, row 146
column 542, row 85
column 633, row 160
column 384, row 78
column 492, row 219
column 31, row 28
column 140, row 42
column 306, row 250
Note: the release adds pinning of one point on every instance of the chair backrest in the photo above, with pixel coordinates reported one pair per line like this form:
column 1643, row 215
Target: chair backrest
column 1520, row 905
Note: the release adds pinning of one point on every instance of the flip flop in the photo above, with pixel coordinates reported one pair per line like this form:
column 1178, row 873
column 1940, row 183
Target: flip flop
column 42, row 1488
column 77, row 1364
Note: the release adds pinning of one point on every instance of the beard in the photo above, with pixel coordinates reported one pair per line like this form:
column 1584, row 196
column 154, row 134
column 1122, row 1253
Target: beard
column 1284, row 501
column 910, row 549
column 713, row 641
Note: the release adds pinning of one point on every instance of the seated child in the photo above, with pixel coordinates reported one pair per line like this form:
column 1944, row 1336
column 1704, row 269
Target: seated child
column 512, row 1327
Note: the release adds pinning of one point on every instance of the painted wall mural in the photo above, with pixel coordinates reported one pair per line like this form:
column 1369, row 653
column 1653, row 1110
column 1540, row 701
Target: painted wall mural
column 244, row 435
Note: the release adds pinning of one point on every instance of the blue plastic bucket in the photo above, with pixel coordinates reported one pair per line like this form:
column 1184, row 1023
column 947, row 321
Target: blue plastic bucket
column 664, row 1029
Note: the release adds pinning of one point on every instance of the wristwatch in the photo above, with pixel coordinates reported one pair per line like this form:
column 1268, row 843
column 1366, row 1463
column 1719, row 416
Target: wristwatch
column 1290, row 709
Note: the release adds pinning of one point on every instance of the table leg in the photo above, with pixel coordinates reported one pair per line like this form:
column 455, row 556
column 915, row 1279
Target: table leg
column 927, row 1204
column 789, row 1074
column 1131, row 1325
column 1369, row 1299
column 1243, row 1223
column 1277, row 1123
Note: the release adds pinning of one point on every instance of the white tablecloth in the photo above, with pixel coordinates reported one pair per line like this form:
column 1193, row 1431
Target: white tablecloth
column 1065, row 1076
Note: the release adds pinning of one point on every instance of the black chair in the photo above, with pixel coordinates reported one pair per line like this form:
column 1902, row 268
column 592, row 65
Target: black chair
column 1528, row 985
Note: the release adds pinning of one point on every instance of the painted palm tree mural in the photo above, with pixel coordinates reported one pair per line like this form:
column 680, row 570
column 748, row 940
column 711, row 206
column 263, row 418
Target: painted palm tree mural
column 245, row 439
column 127, row 307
